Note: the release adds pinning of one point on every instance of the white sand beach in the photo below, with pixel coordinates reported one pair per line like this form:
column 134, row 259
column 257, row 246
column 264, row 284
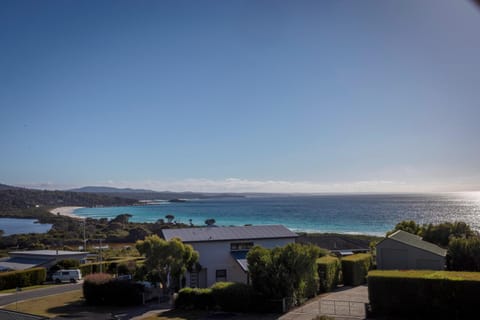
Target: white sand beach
column 67, row 211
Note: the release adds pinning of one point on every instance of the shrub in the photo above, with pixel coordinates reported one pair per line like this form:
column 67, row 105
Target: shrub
column 355, row 268
column 23, row 278
column 195, row 298
column 328, row 272
column 232, row 296
column 424, row 293
column 102, row 289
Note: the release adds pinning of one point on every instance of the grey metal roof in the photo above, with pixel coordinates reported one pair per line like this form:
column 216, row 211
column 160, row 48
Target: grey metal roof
column 417, row 242
column 17, row 263
column 229, row 233
column 47, row 252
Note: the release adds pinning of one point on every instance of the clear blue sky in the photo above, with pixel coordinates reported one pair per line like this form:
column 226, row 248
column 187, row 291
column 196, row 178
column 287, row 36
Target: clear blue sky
column 319, row 96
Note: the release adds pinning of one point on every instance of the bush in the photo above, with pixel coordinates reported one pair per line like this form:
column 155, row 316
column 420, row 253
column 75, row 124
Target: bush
column 24, row 278
column 195, row 298
column 102, row 289
column 328, row 272
column 424, row 293
column 232, row 296
column 355, row 268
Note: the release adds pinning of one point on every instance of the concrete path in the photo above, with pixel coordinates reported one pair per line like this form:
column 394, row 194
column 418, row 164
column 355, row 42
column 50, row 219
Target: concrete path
column 336, row 304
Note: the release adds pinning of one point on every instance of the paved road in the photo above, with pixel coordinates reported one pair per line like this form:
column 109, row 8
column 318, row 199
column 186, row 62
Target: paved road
column 36, row 293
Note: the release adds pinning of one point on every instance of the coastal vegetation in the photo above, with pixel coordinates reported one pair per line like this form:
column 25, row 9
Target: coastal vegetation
column 288, row 271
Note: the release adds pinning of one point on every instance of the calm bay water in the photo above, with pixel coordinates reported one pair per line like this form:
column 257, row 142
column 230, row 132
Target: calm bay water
column 367, row 214
column 16, row 226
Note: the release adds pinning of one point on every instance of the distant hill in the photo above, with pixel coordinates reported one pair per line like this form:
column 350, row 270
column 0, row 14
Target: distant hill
column 143, row 194
column 20, row 198
column 7, row 187
column 93, row 189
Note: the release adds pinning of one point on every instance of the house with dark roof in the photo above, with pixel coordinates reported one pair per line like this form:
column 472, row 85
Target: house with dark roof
column 223, row 250
column 404, row 251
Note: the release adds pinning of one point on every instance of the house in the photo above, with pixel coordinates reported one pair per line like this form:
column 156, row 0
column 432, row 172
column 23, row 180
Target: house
column 21, row 260
column 340, row 245
column 223, row 250
column 402, row 251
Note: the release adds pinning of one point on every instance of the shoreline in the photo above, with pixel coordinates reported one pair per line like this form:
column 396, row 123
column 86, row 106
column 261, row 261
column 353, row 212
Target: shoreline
column 67, row 212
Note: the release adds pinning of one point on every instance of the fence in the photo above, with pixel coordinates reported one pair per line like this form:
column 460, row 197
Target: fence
column 342, row 308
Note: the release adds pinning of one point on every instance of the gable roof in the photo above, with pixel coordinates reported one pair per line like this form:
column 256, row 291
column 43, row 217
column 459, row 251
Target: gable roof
column 207, row 234
column 417, row 242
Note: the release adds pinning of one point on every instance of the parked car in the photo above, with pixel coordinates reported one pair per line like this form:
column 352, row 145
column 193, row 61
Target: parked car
column 72, row 275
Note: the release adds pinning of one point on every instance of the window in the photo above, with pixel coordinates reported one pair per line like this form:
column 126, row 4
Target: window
column 236, row 246
column 221, row 275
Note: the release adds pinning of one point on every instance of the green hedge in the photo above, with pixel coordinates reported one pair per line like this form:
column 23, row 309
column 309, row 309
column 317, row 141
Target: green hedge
column 424, row 294
column 232, row 296
column 328, row 272
column 355, row 268
column 227, row 296
column 195, row 298
column 24, row 278
column 103, row 289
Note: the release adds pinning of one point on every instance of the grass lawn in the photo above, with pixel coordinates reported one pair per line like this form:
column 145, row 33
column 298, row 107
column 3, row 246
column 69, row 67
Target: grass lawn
column 71, row 302
column 198, row 314
column 177, row 315
column 46, row 306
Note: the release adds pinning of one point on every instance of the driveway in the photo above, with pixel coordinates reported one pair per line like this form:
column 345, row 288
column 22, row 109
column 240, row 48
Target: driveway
column 345, row 303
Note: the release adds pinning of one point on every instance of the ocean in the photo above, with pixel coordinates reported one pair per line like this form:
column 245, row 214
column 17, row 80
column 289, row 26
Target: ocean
column 355, row 214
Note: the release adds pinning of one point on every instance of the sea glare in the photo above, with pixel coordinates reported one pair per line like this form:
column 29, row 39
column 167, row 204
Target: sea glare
column 361, row 214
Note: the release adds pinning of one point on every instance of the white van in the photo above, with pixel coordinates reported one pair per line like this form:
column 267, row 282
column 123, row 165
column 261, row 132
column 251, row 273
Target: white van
column 73, row 275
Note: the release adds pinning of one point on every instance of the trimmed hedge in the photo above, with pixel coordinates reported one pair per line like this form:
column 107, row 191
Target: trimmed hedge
column 195, row 298
column 355, row 268
column 232, row 296
column 103, row 289
column 328, row 272
column 424, row 294
column 227, row 296
column 23, row 278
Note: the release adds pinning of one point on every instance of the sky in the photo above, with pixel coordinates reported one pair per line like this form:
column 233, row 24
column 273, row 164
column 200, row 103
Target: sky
column 241, row 96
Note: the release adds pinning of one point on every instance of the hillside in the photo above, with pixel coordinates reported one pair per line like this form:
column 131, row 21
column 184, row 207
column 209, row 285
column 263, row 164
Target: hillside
column 142, row 194
column 14, row 199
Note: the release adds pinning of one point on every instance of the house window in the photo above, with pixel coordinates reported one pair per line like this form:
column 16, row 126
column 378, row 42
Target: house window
column 221, row 275
column 237, row 246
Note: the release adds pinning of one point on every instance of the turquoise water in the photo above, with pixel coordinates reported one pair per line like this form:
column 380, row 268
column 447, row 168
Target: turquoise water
column 366, row 214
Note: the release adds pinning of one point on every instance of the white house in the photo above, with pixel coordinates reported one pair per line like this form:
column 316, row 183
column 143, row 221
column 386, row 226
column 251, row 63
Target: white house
column 402, row 251
column 223, row 250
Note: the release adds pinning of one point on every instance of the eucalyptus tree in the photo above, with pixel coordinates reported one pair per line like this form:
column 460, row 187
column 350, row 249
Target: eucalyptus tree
column 168, row 260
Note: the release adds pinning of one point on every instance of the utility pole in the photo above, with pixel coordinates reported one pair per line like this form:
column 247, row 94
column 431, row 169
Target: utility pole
column 100, row 251
column 84, row 237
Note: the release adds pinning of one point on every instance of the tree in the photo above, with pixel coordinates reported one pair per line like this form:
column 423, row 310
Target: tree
column 169, row 218
column 122, row 218
column 409, row 226
column 289, row 271
column 210, row 222
column 167, row 260
column 463, row 254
